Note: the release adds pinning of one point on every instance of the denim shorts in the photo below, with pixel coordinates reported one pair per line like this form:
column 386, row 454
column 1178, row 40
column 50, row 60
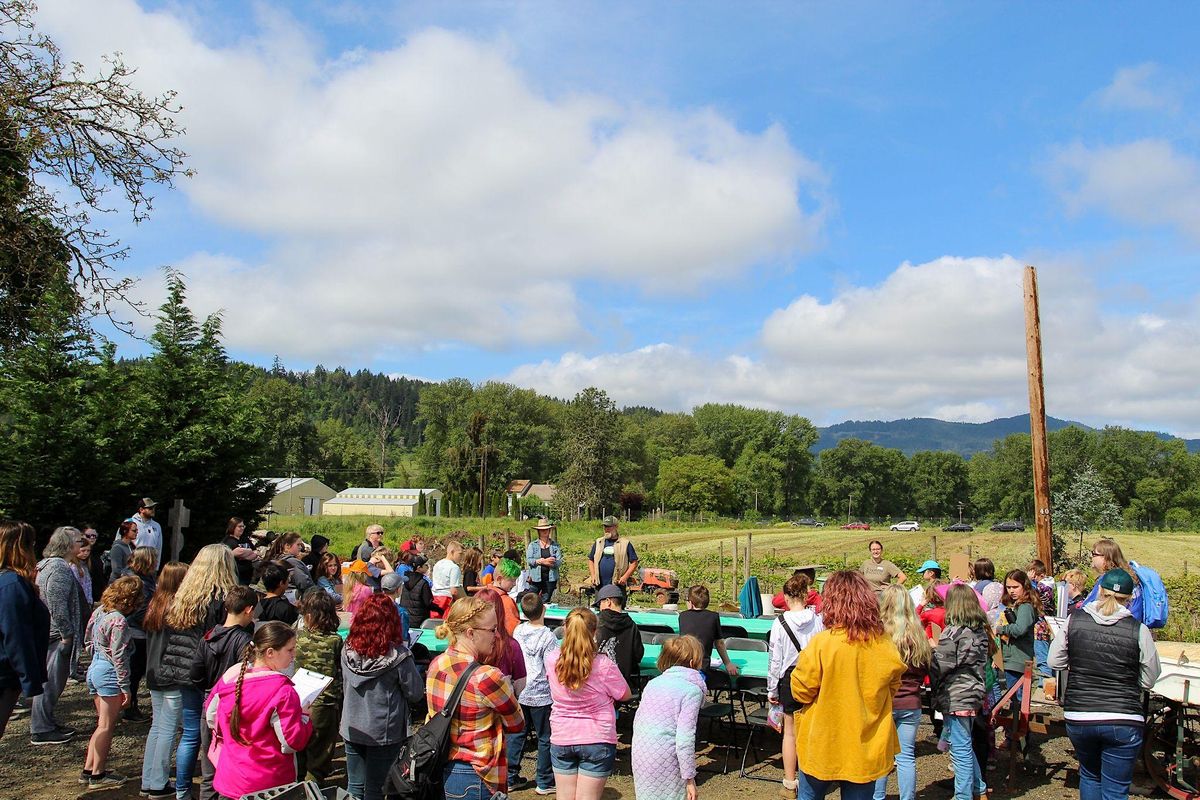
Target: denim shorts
column 102, row 678
column 589, row 760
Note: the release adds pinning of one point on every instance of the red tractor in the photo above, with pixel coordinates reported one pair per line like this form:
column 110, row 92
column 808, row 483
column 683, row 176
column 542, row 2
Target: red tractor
column 660, row 584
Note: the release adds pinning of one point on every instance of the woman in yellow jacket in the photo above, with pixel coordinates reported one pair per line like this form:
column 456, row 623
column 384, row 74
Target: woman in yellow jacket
column 845, row 679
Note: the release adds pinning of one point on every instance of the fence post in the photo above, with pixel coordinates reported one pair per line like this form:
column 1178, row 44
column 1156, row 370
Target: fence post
column 721, row 564
column 749, row 547
column 933, row 545
column 969, row 552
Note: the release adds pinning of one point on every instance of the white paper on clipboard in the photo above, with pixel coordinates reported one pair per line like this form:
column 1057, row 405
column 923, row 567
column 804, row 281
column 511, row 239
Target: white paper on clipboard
column 309, row 685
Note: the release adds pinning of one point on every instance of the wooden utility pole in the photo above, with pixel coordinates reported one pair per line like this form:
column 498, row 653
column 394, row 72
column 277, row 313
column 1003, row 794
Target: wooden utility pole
column 1037, row 419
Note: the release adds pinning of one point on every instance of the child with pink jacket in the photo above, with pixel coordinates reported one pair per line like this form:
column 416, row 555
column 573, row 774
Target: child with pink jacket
column 256, row 718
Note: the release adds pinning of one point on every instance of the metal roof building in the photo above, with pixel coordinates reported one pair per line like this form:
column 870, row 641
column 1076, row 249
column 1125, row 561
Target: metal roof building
column 383, row 502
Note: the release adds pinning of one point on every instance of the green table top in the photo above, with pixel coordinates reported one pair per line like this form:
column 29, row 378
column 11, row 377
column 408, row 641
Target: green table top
column 751, row 663
column 755, row 628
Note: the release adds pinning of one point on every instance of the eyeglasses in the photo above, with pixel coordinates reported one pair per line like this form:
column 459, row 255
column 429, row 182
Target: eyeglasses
column 1095, row 554
column 491, row 630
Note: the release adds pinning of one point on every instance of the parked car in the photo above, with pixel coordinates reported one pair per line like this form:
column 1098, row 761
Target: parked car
column 958, row 527
column 808, row 522
column 856, row 526
column 907, row 525
column 1009, row 525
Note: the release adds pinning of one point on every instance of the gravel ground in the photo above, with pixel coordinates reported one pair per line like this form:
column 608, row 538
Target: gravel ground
column 50, row 772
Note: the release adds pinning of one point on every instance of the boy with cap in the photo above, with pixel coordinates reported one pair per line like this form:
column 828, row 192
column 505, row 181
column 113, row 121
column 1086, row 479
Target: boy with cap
column 616, row 634
column 391, row 584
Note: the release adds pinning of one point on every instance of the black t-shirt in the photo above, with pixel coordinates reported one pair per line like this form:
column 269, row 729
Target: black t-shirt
column 470, row 578
column 245, row 569
column 705, row 625
column 276, row 608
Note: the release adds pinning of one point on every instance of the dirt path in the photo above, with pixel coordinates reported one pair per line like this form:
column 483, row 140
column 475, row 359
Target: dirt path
column 49, row 773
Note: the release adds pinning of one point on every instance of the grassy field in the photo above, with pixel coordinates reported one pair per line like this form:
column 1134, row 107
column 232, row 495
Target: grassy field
column 663, row 543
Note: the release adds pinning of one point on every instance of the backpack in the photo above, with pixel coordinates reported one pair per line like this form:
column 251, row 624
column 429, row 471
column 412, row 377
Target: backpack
column 417, row 771
column 1155, row 604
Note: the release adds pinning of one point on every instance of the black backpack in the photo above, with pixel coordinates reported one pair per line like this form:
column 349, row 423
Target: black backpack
column 417, row 771
column 784, row 688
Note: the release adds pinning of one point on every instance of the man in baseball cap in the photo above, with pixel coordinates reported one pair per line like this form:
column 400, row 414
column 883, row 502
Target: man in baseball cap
column 612, row 559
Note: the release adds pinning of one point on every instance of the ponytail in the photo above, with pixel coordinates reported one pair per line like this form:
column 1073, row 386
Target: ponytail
column 270, row 636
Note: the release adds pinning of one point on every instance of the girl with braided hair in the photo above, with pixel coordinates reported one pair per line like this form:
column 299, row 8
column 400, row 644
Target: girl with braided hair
column 256, row 718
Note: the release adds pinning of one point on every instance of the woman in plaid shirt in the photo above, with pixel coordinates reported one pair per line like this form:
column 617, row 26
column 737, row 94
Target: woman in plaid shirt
column 477, row 766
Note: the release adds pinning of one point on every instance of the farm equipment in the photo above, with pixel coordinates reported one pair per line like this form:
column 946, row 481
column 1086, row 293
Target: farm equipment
column 660, row 584
column 1171, row 751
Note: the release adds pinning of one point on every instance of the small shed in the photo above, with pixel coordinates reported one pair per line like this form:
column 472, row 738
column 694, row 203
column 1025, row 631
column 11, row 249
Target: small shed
column 300, row 496
column 383, row 502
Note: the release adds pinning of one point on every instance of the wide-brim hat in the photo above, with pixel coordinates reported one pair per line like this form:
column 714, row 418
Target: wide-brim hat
column 543, row 524
column 147, row 503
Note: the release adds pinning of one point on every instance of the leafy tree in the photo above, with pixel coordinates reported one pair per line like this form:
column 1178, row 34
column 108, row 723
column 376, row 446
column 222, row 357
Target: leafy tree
column 939, row 482
column 66, row 140
column 341, row 458
column 1002, row 480
column 873, row 475
column 695, row 484
column 589, row 478
column 1178, row 519
column 1087, row 504
column 287, row 427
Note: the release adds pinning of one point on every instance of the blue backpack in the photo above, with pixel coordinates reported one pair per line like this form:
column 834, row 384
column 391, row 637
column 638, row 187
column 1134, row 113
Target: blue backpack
column 1155, row 605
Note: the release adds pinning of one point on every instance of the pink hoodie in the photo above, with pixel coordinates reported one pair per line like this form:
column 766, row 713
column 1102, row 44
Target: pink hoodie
column 272, row 723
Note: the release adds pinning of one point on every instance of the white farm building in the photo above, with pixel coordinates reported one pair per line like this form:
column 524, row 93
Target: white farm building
column 298, row 496
column 383, row 502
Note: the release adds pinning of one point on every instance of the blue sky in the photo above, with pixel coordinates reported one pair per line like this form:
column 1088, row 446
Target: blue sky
column 819, row 208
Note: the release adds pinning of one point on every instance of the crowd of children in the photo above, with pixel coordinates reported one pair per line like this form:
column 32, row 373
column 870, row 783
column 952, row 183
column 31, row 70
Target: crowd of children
column 852, row 667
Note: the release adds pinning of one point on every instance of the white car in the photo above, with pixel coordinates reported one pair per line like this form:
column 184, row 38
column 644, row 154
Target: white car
column 907, row 525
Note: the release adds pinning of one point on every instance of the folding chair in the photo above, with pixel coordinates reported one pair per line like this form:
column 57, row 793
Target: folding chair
column 722, row 712
column 734, row 631
column 431, row 624
column 730, row 615
column 754, row 690
column 663, row 638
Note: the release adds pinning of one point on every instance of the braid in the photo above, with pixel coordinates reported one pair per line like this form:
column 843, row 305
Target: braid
column 235, row 719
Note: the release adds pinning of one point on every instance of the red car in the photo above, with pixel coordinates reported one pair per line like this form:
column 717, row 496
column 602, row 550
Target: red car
column 856, row 526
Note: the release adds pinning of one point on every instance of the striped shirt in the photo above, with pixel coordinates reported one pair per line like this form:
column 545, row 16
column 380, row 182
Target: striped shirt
column 487, row 711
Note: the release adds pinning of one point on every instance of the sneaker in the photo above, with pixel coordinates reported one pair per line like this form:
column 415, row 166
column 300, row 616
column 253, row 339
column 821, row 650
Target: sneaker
column 84, row 777
column 106, row 780
column 547, row 790
column 134, row 714
column 65, row 731
column 519, row 784
column 21, row 709
column 158, row 794
column 57, row 736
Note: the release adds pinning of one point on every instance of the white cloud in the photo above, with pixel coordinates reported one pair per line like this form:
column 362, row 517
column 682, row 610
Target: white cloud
column 431, row 193
column 1138, row 88
column 1147, row 182
column 943, row 339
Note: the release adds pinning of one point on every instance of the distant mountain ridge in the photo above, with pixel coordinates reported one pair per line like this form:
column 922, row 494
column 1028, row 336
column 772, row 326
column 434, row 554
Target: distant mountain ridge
column 924, row 433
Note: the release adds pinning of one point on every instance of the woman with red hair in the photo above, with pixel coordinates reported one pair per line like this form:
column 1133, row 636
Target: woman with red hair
column 379, row 680
column 845, row 679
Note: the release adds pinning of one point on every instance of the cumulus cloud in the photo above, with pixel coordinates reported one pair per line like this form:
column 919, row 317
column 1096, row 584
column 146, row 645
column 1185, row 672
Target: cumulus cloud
column 1146, row 182
column 944, row 339
column 1138, row 88
column 431, row 193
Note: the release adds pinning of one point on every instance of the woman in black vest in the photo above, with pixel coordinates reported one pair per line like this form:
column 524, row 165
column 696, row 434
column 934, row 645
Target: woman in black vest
column 1111, row 660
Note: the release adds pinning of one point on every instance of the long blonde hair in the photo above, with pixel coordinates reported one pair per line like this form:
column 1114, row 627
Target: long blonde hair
column 350, row 580
column 212, row 574
column 1108, row 601
column 578, row 649
column 1114, row 558
column 462, row 616
column 900, row 622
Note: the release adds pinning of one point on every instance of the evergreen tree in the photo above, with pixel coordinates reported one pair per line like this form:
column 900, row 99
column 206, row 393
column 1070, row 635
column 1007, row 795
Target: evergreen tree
column 590, row 479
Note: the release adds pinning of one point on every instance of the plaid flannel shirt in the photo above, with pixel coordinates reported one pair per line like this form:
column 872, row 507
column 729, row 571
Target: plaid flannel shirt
column 488, row 710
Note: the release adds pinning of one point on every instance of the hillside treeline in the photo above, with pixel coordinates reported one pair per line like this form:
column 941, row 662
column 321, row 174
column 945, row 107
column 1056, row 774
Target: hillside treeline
column 83, row 434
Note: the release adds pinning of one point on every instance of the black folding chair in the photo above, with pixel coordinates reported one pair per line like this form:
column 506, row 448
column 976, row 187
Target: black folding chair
column 720, row 712
column 754, row 690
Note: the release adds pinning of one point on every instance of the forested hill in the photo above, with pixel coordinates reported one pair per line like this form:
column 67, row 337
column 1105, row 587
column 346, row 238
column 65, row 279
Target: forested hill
column 964, row 438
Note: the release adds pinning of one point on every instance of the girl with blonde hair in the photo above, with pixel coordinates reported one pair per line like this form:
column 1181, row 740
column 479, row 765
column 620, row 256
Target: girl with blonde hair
column 585, row 686
column 900, row 622
column 108, row 676
column 477, row 766
column 198, row 605
column 664, row 727
column 255, row 715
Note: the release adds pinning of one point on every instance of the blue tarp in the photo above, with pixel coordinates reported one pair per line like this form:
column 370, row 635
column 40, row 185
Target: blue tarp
column 750, row 599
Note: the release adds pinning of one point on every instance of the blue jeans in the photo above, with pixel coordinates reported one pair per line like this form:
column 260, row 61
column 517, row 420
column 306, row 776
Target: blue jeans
column 367, row 767
column 907, row 721
column 537, row 721
column 167, row 707
column 967, row 779
column 815, row 789
column 1106, row 756
column 460, row 782
column 189, row 742
column 1041, row 652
